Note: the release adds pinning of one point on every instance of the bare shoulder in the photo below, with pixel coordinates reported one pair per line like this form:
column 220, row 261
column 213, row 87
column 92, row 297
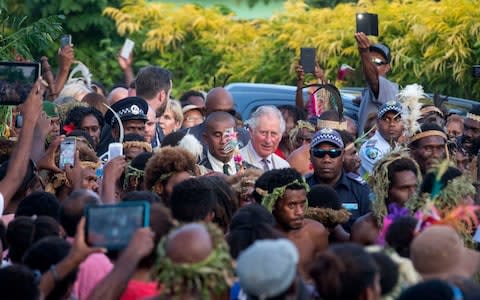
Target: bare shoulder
column 314, row 228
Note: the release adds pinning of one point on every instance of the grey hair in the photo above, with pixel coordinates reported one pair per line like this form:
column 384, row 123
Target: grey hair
column 266, row 110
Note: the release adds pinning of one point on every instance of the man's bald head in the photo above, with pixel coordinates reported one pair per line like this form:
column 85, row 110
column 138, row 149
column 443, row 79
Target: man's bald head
column 189, row 244
column 219, row 99
column 219, row 117
column 117, row 94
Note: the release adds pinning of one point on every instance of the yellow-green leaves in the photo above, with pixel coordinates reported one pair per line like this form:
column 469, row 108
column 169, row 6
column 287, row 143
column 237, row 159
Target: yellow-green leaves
column 434, row 43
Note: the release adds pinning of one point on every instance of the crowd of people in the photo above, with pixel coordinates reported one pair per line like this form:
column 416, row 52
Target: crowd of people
column 297, row 202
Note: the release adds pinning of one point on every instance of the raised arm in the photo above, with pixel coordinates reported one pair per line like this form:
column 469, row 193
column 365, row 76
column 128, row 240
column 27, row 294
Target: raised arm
column 21, row 154
column 111, row 174
column 78, row 253
column 66, row 56
column 369, row 69
column 300, row 81
column 126, row 66
column 139, row 247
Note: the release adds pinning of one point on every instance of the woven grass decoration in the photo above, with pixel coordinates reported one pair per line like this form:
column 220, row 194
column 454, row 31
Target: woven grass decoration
column 327, row 216
column 207, row 278
column 380, row 183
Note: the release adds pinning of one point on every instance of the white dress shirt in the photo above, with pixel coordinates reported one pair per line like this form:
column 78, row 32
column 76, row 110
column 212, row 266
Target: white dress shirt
column 217, row 165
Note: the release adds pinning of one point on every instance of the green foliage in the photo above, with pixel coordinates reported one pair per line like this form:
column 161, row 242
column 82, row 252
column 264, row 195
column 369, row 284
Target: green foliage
column 433, row 43
column 94, row 36
column 19, row 36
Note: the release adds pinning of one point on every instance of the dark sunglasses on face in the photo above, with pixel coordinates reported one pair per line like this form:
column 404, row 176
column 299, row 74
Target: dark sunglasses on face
column 333, row 153
column 378, row 62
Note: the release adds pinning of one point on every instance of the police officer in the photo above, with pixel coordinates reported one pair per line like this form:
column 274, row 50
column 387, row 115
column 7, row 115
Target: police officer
column 326, row 153
column 132, row 111
column 389, row 130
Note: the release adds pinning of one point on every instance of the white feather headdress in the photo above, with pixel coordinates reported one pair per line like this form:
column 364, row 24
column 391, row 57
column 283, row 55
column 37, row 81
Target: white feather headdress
column 409, row 98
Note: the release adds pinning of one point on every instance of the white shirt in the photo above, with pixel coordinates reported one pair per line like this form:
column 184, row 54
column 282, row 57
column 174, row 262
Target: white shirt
column 217, row 165
column 251, row 156
column 372, row 151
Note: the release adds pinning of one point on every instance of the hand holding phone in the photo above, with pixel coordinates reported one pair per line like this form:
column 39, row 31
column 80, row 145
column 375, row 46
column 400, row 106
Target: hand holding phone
column 367, row 23
column 308, row 60
column 127, row 49
column 115, row 150
column 65, row 40
column 112, row 226
column 68, row 150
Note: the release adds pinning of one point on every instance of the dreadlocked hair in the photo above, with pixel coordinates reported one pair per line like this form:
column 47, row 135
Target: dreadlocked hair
column 165, row 162
column 382, row 177
column 226, row 203
column 211, row 276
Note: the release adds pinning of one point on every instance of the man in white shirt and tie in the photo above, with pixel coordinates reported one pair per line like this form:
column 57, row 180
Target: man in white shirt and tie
column 266, row 127
column 217, row 159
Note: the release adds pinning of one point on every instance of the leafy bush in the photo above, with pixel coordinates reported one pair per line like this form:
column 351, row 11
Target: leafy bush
column 433, row 43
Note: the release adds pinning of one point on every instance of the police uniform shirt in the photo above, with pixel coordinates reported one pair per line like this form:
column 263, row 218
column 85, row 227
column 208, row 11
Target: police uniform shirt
column 355, row 196
column 372, row 151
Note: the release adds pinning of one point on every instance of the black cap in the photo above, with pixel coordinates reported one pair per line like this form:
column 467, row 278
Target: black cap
column 383, row 50
column 130, row 108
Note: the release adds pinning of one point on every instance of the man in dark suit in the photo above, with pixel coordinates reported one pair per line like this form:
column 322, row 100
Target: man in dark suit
column 220, row 154
column 218, row 99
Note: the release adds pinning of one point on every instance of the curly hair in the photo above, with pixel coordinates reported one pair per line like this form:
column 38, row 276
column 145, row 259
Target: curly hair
column 76, row 115
column 168, row 160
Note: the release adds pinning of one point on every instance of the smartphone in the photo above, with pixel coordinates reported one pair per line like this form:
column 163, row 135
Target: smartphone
column 67, row 152
column 65, row 40
column 114, row 150
column 476, row 71
column 19, row 121
column 307, row 59
column 367, row 23
column 16, row 81
column 112, row 226
column 127, row 48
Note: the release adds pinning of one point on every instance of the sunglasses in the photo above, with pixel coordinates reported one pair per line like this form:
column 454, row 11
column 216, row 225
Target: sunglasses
column 320, row 153
column 378, row 62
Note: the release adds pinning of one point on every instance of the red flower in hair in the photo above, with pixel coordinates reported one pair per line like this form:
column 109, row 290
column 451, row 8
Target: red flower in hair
column 68, row 128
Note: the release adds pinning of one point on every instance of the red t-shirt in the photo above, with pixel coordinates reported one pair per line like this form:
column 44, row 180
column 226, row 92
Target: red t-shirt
column 137, row 290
